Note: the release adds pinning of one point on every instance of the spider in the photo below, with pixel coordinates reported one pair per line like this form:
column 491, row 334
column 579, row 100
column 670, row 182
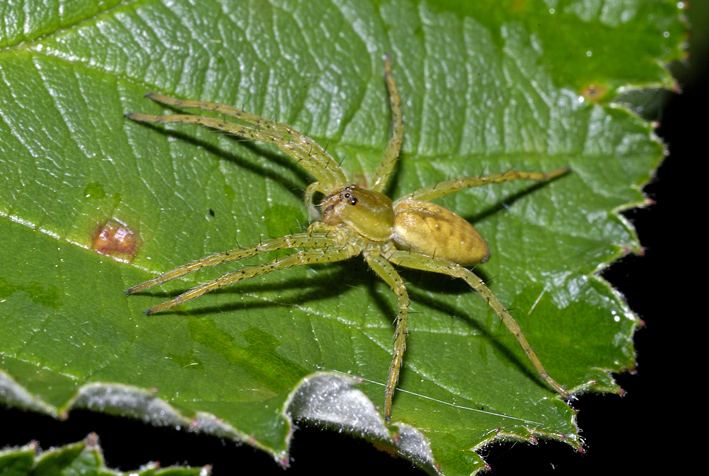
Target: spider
column 351, row 220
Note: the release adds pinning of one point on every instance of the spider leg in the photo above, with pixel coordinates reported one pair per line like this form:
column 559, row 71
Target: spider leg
column 425, row 263
column 327, row 254
column 303, row 149
column 391, row 154
column 311, row 239
column 260, row 122
column 450, row 186
column 387, row 272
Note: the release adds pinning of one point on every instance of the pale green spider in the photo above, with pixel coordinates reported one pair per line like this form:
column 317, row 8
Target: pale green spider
column 410, row 232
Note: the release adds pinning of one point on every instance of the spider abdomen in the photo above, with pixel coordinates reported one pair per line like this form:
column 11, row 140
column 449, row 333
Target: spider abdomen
column 431, row 230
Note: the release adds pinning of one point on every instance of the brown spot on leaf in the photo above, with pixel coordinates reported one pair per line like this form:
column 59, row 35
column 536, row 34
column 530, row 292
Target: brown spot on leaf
column 594, row 92
column 117, row 240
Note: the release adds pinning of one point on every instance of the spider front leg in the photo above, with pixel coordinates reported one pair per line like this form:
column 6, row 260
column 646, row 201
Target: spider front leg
column 300, row 147
column 386, row 166
column 311, row 239
column 314, row 256
column 323, row 246
column 435, row 265
column 387, row 272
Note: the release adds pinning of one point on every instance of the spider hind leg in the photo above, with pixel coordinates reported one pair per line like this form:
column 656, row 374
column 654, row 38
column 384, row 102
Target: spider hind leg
column 435, row 265
column 387, row 272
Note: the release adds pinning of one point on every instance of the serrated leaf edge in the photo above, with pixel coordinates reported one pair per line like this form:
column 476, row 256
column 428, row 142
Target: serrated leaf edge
column 323, row 398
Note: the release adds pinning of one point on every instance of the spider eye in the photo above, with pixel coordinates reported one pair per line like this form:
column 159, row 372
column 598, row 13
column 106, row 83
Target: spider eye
column 353, row 201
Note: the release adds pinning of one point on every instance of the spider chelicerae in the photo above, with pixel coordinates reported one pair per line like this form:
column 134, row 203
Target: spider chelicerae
column 351, row 220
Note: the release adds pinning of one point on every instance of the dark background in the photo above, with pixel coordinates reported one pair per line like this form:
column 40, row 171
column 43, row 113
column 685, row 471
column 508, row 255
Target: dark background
column 647, row 429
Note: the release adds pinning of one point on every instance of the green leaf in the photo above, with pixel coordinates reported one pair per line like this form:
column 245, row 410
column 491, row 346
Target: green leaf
column 485, row 86
column 83, row 458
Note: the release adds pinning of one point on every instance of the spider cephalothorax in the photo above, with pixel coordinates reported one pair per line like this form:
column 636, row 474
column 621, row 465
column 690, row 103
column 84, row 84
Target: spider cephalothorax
column 411, row 232
column 368, row 213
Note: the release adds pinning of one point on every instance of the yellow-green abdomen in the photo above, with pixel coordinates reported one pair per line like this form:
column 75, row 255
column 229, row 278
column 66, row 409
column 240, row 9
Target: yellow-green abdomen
column 430, row 229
